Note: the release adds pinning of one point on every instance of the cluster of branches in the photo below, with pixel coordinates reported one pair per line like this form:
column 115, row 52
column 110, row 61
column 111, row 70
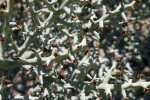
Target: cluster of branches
column 72, row 49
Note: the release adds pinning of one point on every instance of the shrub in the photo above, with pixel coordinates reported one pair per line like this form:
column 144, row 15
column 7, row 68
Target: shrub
column 74, row 49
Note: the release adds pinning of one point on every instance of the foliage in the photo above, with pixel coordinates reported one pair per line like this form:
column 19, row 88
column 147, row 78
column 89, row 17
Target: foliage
column 74, row 49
